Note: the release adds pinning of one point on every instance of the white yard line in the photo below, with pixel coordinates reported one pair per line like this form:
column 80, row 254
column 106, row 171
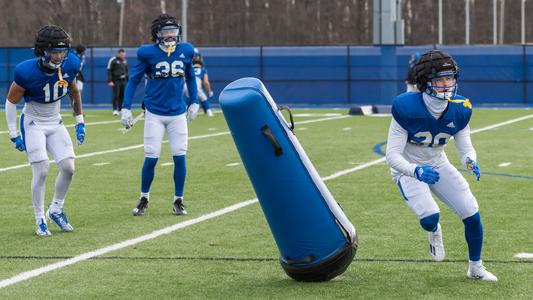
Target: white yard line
column 86, row 124
column 198, row 137
column 88, row 255
column 523, row 255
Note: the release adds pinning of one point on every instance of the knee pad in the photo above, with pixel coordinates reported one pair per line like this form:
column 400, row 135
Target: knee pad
column 430, row 223
column 67, row 166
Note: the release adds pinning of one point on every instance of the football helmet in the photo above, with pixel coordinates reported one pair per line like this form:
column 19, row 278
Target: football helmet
column 435, row 64
column 52, row 45
column 197, row 57
column 166, row 30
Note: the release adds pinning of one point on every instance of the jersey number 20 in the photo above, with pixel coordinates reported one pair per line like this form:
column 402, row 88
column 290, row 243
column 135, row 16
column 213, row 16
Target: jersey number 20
column 56, row 94
column 427, row 138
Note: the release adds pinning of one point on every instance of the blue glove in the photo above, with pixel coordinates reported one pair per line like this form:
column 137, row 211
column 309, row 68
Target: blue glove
column 427, row 174
column 19, row 143
column 80, row 133
column 472, row 166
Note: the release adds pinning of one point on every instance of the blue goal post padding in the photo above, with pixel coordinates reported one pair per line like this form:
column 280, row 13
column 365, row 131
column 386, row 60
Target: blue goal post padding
column 315, row 238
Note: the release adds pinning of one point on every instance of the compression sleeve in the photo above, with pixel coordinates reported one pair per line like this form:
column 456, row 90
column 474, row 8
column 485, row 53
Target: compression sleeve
column 395, row 145
column 11, row 118
column 464, row 146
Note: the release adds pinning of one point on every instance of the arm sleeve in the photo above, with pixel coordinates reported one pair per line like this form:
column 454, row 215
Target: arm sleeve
column 190, row 78
column 463, row 143
column 11, row 118
column 137, row 75
column 395, row 145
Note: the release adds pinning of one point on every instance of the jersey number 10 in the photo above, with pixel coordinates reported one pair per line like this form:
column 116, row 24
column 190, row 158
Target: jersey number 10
column 55, row 95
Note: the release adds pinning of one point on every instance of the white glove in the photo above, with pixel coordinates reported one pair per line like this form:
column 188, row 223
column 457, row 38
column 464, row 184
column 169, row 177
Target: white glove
column 126, row 118
column 192, row 111
column 211, row 94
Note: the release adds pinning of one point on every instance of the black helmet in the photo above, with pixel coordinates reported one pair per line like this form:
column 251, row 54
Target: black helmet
column 51, row 37
column 162, row 21
column 80, row 49
column 434, row 64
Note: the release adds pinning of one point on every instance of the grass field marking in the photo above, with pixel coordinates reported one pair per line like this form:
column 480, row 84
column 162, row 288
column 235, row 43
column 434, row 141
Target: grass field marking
column 88, row 255
column 141, row 145
column 502, row 124
column 86, row 124
column 523, row 255
column 357, row 168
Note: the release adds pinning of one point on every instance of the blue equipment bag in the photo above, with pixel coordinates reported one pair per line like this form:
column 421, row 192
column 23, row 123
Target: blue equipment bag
column 315, row 238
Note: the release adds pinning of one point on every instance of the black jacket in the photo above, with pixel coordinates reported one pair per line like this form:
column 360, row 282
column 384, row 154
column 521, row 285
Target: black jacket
column 117, row 69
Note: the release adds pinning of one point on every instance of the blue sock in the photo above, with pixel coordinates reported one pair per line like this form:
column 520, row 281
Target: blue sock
column 430, row 223
column 179, row 175
column 205, row 105
column 148, row 172
column 474, row 236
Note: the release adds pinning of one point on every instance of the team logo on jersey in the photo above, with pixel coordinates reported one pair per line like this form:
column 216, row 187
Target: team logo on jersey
column 182, row 56
column 450, row 125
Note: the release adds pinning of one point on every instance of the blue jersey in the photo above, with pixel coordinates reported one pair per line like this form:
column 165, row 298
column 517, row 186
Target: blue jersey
column 44, row 87
column 409, row 110
column 166, row 78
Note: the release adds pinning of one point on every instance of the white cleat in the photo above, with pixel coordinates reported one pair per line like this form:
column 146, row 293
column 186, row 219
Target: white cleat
column 115, row 113
column 436, row 245
column 209, row 113
column 42, row 228
column 477, row 271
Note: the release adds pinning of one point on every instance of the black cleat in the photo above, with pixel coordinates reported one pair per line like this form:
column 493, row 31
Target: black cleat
column 179, row 208
column 143, row 204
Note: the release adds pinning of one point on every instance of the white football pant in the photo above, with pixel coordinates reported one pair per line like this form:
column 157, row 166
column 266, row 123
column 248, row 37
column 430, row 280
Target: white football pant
column 452, row 189
column 154, row 130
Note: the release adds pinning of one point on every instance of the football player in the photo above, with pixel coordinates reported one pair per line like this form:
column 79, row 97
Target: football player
column 168, row 65
column 202, row 82
column 43, row 82
column 422, row 124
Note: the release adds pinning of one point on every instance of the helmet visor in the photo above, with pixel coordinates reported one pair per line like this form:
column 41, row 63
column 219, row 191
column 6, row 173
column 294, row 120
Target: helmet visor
column 169, row 34
column 56, row 55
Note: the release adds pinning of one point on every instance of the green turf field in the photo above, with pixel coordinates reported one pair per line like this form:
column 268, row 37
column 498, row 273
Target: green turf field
column 233, row 255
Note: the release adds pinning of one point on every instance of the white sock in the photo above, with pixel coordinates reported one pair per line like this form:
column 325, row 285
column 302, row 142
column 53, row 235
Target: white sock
column 145, row 195
column 57, row 205
column 476, row 263
column 38, row 187
column 176, row 197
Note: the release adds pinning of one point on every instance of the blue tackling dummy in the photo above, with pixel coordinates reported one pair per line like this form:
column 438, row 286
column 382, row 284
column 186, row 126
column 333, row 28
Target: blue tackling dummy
column 315, row 238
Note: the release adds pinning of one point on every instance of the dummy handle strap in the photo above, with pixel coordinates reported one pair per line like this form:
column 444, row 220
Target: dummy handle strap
column 268, row 133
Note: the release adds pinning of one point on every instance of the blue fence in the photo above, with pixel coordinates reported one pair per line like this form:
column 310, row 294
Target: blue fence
column 327, row 75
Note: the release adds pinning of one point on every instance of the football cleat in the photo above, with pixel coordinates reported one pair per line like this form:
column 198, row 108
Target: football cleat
column 436, row 245
column 179, row 208
column 477, row 271
column 115, row 113
column 60, row 219
column 209, row 113
column 141, row 207
column 42, row 228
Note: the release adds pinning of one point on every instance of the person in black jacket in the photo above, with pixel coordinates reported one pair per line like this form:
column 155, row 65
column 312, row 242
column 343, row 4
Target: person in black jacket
column 117, row 77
